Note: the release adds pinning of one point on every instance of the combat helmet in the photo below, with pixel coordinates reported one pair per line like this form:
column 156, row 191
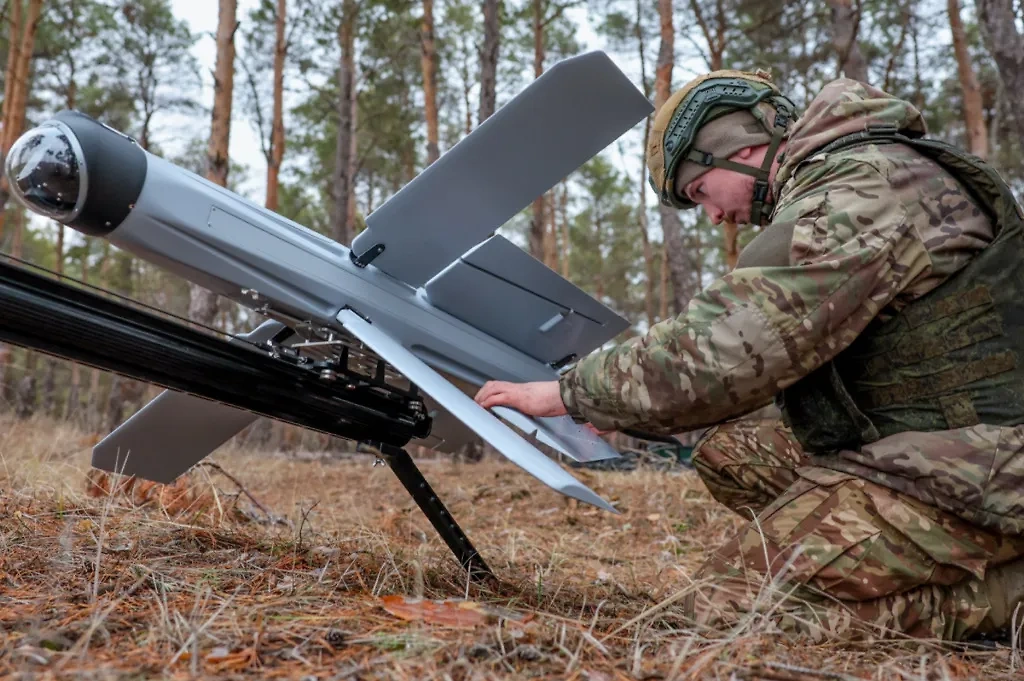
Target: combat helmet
column 749, row 110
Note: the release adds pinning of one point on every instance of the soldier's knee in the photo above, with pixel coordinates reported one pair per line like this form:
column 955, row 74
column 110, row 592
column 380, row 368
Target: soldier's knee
column 745, row 441
column 747, row 463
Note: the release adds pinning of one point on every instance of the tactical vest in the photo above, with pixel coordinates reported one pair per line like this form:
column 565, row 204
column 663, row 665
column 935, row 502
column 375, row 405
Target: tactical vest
column 949, row 359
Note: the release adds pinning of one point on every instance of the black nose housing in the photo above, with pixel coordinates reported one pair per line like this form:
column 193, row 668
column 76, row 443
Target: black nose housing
column 113, row 167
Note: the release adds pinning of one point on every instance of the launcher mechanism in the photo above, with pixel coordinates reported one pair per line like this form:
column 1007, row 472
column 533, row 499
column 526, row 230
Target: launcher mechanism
column 382, row 342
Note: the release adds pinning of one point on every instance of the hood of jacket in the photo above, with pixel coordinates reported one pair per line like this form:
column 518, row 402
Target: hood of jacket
column 843, row 107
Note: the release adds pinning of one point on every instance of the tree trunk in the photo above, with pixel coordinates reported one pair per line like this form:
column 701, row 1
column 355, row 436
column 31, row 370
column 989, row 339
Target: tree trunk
column 977, row 135
column 25, row 400
column 845, row 25
column 97, row 394
column 202, row 306
column 563, row 205
column 716, row 51
column 467, row 99
column 428, row 61
column 96, row 401
column 1005, row 44
column 27, row 387
column 50, row 387
column 489, row 59
column 551, row 231
column 73, row 403
column 644, row 235
column 50, row 382
column 16, row 97
column 277, row 126
column 342, row 228
column 20, row 90
column 19, row 229
column 59, row 251
column 538, row 224
column 353, row 154
column 679, row 270
column 663, row 283
column 19, row 62
column 115, row 405
column 10, row 74
column 223, row 88
column 72, row 408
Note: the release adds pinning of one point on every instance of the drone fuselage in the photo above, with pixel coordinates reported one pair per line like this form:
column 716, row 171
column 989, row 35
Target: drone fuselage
column 231, row 246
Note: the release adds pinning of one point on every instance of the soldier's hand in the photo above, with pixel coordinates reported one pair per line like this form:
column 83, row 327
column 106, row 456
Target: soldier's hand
column 540, row 398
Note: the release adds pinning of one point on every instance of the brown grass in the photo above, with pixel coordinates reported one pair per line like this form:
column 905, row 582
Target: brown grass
column 198, row 582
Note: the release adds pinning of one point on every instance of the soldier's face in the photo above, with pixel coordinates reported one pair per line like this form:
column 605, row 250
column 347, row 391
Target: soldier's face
column 725, row 194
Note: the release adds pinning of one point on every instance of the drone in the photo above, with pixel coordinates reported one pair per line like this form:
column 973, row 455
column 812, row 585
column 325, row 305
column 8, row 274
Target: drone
column 382, row 342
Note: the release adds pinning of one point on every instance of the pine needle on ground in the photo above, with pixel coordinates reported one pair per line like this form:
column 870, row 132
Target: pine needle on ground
column 110, row 578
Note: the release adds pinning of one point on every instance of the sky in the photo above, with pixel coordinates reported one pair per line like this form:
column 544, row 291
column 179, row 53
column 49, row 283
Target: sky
column 244, row 144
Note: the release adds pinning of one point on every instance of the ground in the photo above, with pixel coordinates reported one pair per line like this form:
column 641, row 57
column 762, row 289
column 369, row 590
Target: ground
column 328, row 571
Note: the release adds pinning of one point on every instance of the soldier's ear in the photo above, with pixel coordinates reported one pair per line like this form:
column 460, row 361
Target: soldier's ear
column 744, row 153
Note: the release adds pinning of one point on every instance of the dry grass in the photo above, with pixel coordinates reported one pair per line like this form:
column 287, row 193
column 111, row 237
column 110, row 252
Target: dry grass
column 199, row 582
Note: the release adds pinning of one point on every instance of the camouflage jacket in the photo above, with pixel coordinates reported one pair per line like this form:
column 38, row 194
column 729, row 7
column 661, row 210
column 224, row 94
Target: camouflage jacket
column 872, row 229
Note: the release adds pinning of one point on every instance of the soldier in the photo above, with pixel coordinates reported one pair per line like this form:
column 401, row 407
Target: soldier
column 881, row 307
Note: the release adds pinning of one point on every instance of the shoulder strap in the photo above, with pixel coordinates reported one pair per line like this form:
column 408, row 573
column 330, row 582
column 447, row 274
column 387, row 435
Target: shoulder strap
column 989, row 189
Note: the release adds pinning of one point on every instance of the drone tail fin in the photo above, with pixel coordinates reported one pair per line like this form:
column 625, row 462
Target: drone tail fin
column 168, row 436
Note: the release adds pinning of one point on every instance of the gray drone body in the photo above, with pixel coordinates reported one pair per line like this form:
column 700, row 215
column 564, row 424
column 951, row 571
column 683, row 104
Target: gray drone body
column 428, row 286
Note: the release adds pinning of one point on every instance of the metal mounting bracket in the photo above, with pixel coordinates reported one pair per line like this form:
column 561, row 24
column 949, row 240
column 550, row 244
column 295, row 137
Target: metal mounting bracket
column 368, row 256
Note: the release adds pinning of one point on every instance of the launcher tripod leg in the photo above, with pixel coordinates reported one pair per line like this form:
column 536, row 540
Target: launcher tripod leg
column 411, row 477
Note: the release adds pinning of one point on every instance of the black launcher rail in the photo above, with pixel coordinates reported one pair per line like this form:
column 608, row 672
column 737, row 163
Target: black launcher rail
column 41, row 312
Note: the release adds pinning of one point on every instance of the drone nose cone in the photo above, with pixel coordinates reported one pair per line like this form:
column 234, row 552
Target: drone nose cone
column 78, row 171
column 47, row 172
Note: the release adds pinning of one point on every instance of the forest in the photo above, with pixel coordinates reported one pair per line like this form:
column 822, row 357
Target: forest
column 341, row 103
column 289, row 554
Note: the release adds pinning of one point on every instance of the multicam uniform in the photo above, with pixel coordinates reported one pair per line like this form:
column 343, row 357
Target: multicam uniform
column 897, row 531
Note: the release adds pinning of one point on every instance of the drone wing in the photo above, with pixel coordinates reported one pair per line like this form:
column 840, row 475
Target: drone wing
column 483, row 423
column 555, row 125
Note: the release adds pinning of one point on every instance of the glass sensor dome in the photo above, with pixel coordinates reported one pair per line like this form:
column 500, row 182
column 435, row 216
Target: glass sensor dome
column 46, row 171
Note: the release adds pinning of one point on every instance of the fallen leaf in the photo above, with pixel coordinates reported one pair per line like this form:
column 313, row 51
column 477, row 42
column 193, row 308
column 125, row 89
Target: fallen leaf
column 654, row 517
column 220, row 659
column 449, row 613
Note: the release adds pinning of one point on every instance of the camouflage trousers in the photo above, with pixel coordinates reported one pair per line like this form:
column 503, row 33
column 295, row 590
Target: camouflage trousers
column 827, row 553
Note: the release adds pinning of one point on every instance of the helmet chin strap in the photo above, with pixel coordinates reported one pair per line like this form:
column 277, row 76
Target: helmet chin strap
column 760, row 207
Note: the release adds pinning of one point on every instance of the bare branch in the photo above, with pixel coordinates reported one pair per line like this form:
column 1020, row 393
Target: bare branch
column 898, row 49
column 559, row 9
column 260, row 120
column 699, row 16
column 703, row 53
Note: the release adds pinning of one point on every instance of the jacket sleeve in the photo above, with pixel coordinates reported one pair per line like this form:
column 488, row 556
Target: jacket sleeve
column 755, row 331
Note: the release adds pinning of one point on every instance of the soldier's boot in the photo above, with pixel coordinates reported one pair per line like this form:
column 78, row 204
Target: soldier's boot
column 1004, row 586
